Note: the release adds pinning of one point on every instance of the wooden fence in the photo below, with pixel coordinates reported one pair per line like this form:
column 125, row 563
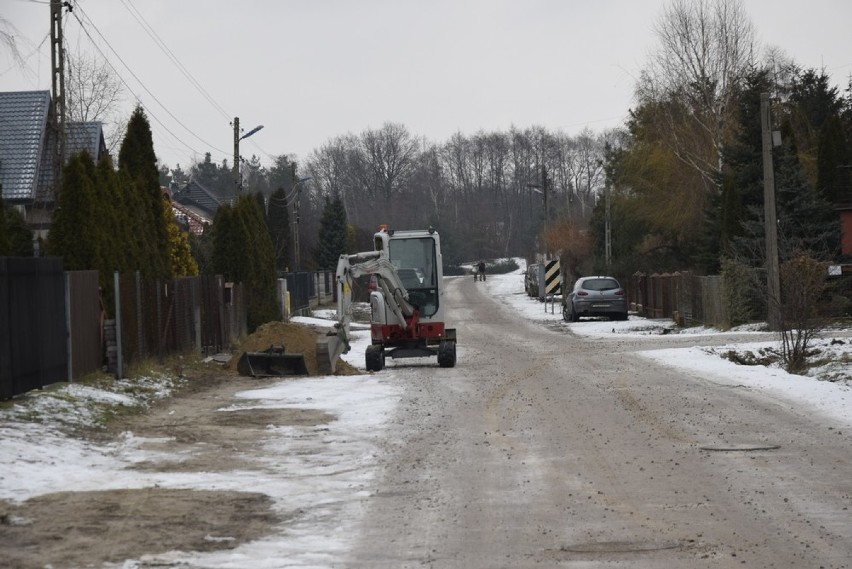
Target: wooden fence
column 155, row 318
column 85, row 323
column 687, row 298
column 53, row 326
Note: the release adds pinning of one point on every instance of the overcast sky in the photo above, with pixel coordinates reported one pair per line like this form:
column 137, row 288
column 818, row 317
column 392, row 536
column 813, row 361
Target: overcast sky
column 311, row 70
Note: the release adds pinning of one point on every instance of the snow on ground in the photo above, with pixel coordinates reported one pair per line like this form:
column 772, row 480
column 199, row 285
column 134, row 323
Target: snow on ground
column 37, row 457
column 827, row 388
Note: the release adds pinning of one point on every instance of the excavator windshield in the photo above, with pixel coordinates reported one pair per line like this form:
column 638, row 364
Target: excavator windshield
column 414, row 259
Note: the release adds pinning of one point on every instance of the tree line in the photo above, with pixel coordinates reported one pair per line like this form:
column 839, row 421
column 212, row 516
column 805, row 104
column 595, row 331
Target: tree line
column 486, row 193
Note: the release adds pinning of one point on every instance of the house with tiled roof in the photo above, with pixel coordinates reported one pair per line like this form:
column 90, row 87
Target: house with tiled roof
column 190, row 219
column 28, row 144
column 198, row 199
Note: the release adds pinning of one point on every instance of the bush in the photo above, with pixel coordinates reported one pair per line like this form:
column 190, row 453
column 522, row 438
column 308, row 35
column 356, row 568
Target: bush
column 803, row 282
column 501, row 267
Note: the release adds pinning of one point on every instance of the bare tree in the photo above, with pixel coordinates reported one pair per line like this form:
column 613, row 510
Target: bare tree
column 8, row 35
column 456, row 156
column 390, row 153
column 705, row 49
column 95, row 93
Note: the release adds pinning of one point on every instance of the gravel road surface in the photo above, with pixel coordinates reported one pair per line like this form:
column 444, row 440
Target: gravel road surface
column 543, row 449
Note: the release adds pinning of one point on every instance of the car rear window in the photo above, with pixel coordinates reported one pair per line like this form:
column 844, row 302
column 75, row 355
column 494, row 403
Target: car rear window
column 601, row 284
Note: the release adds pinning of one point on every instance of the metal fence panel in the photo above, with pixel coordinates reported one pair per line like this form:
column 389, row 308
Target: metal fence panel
column 33, row 335
column 301, row 287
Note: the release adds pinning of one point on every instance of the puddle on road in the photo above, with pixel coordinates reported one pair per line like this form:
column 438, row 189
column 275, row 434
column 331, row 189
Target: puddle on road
column 746, row 447
column 621, row 546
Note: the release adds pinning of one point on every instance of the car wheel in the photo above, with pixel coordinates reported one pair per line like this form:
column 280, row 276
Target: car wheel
column 574, row 316
column 566, row 314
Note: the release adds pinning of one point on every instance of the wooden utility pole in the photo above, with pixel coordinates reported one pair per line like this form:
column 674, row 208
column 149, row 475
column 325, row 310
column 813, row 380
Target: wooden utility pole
column 545, row 182
column 608, row 227
column 773, row 280
column 57, row 62
column 236, row 168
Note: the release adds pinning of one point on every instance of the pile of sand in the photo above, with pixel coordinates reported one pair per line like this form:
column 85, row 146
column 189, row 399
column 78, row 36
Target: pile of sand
column 296, row 339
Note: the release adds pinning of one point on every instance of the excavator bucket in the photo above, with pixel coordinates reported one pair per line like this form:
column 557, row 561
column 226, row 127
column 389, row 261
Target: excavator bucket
column 273, row 362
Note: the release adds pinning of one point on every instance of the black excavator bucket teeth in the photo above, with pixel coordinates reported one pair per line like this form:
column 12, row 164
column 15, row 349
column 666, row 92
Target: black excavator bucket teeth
column 273, row 362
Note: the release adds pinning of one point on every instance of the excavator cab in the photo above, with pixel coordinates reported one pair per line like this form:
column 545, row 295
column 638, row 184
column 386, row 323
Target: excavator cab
column 414, row 259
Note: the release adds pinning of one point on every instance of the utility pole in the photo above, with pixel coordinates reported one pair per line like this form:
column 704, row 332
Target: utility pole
column 544, row 184
column 296, row 215
column 57, row 63
column 236, row 167
column 773, row 280
column 608, row 228
column 238, row 179
column 297, row 204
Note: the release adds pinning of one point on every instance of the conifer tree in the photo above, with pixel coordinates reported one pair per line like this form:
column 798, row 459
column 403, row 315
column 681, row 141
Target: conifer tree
column 181, row 262
column 807, row 222
column 73, row 235
column 242, row 252
column 137, row 159
column 260, row 278
column 228, row 259
column 834, row 174
column 332, row 233
column 741, row 187
column 112, row 221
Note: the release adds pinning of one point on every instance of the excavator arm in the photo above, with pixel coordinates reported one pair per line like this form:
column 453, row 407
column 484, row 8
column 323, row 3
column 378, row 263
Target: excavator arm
column 349, row 268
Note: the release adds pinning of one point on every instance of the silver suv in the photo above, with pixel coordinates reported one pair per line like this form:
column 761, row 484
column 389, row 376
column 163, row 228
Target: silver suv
column 595, row 296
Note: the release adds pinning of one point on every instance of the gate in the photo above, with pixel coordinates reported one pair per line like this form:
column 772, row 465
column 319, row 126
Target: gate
column 85, row 325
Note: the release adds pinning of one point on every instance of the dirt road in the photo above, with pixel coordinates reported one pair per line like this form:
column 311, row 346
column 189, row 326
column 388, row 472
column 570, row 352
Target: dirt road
column 540, row 449
column 546, row 450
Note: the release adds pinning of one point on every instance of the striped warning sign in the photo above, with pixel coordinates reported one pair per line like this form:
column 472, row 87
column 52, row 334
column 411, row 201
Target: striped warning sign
column 552, row 279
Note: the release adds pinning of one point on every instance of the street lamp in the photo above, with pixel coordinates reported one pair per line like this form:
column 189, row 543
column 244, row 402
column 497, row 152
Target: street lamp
column 537, row 188
column 238, row 181
column 296, row 205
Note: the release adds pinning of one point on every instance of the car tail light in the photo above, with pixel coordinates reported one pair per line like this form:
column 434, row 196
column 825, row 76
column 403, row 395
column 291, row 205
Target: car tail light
column 619, row 292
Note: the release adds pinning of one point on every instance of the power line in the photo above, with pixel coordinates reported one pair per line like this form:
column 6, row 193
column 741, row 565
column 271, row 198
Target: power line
column 141, row 84
column 152, row 33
